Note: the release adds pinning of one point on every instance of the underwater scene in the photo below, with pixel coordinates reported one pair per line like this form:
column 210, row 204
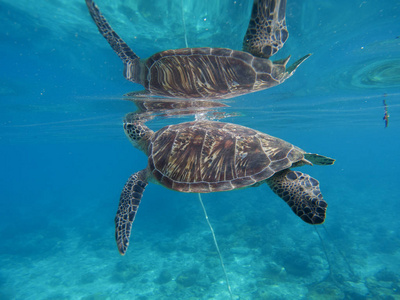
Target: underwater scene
column 83, row 142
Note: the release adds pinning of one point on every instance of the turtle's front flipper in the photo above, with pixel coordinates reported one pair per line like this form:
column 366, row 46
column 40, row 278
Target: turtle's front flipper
column 130, row 59
column 301, row 192
column 127, row 208
column 267, row 30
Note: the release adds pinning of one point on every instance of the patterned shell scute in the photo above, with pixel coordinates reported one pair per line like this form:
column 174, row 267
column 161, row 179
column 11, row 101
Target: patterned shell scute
column 205, row 156
column 199, row 72
column 221, row 51
column 262, row 65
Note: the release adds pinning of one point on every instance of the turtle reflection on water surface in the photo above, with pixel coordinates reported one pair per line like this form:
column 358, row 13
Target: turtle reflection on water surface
column 211, row 73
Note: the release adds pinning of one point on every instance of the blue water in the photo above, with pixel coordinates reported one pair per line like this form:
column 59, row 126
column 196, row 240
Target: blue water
column 65, row 158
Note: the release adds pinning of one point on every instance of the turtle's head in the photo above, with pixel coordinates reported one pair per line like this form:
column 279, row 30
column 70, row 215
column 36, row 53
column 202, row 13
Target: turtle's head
column 138, row 133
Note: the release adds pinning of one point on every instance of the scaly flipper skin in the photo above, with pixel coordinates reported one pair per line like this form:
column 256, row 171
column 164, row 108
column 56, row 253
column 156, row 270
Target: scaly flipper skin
column 129, row 58
column 127, row 208
column 267, row 30
column 301, row 192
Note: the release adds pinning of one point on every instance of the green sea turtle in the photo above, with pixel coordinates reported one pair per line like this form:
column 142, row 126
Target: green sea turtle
column 211, row 156
column 211, row 73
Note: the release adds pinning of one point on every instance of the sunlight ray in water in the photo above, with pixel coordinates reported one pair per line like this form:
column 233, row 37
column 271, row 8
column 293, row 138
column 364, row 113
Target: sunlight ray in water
column 216, row 246
column 67, row 122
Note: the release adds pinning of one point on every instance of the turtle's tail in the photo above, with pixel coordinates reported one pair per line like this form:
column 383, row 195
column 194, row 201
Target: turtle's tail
column 297, row 63
column 281, row 72
column 130, row 59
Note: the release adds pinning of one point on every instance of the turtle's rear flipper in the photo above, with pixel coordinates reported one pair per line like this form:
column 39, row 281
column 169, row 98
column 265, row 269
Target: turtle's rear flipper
column 127, row 208
column 281, row 72
column 130, row 59
column 301, row 192
column 267, row 30
column 290, row 70
column 318, row 159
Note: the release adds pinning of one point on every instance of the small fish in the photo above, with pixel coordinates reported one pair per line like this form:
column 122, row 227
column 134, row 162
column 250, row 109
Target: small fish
column 386, row 115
